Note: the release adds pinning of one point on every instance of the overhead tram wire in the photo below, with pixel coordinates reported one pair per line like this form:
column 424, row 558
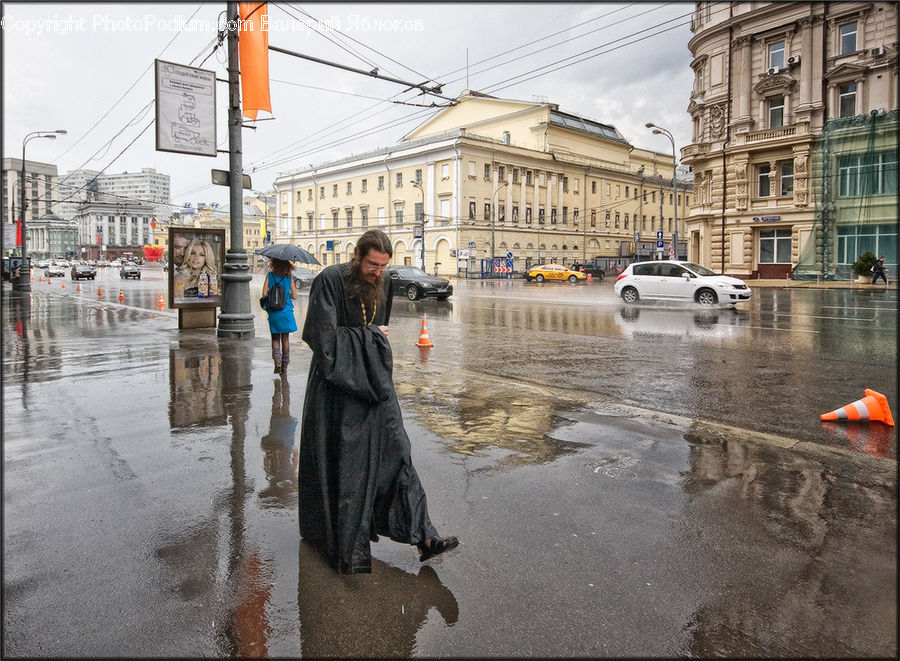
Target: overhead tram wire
column 364, row 45
column 510, row 50
column 131, row 87
column 267, row 165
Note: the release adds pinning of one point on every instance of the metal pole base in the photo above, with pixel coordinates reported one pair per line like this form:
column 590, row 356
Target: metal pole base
column 236, row 319
column 23, row 282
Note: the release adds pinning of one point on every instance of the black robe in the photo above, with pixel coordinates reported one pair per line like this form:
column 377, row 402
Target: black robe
column 356, row 478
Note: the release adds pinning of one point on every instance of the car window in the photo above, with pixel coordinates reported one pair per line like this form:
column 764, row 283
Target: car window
column 645, row 269
column 671, row 270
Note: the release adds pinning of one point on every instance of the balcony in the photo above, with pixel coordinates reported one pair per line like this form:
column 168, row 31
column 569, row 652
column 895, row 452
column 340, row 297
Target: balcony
column 770, row 134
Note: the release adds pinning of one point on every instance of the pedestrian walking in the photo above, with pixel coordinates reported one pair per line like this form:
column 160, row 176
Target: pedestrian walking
column 281, row 322
column 878, row 271
column 356, row 477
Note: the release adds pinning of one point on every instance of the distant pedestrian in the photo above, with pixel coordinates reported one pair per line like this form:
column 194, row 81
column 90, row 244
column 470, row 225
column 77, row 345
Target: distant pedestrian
column 281, row 322
column 878, row 271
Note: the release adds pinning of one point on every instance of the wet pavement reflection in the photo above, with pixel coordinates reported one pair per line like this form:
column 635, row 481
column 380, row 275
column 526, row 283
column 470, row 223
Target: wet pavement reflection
column 151, row 474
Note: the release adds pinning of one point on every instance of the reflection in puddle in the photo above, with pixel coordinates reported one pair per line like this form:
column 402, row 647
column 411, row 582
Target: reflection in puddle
column 373, row 615
column 480, row 419
column 281, row 458
column 795, row 521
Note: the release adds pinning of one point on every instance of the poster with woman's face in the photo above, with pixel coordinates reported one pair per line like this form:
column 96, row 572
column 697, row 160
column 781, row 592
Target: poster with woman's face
column 196, row 260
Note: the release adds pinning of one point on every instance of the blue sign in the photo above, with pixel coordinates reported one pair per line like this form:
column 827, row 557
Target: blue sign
column 659, row 235
column 471, row 244
column 660, row 244
column 509, row 255
column 329, row 245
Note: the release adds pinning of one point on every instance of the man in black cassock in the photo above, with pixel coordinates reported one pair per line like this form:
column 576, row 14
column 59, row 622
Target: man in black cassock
column 356, row 478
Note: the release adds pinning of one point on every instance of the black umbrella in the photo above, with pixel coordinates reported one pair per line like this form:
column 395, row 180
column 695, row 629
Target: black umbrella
column 289, row 253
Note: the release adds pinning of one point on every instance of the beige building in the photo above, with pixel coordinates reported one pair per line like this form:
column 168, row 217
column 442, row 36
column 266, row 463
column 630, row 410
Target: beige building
column 484, row 178
column 794, row 112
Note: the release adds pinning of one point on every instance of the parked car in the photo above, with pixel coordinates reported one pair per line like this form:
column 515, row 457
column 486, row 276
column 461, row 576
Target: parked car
column 83, row 272
column 303, row 277
column 543, row 272
column 54, row 271
column 130, row 271
column 414, row 283
column 680, row 281
column 592, row 270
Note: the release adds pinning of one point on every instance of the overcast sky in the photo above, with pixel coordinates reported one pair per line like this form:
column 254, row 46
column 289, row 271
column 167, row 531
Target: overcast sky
column 88, row 69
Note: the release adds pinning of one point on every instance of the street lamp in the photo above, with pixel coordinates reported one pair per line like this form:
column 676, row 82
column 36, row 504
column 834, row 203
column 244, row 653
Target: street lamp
column 23, row 283
column 494, row 202
column 418, row 184
column 658, row 130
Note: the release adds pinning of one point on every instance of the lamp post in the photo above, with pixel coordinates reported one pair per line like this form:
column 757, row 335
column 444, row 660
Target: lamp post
column 418, row 184
column 494, row 202
column 23, row 283
column 658, row 130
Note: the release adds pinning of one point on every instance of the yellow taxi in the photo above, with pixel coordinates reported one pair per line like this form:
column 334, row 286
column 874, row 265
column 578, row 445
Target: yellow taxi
column 543, row 272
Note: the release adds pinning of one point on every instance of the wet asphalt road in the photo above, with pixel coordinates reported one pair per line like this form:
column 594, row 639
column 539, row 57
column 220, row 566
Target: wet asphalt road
column 624, row 482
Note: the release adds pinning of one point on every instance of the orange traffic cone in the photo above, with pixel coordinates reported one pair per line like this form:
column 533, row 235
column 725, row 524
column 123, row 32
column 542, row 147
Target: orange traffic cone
column 874, row 406
column 160, row 303
column 78, row 288
column 121, row 295
column 424, row 340
column 590, row 278
column 100, row 290
column 62, row 285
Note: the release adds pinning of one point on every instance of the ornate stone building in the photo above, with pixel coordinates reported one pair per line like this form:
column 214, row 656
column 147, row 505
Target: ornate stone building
column 485, row 179
column 794, row 112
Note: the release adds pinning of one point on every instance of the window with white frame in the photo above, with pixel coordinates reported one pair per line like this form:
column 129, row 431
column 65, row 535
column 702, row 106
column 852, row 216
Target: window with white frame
column 528, row 177
column 487, row 170
column 334, row 190
column 364, row 216
column 349, row 217
column 334, row 219
column 381, row 182
column 399, row 180
column 364, row 185
column 776, row 55
column 446, row 173
column 349, row 188
column 763, row 187
column 445, row 208
column 861, row 175
column 321, row 192
column 776, row 111
column 847, row 100
column 786, row 178
column 775, row 246
column 471, row 168
column 445, row 170
column 848, row 32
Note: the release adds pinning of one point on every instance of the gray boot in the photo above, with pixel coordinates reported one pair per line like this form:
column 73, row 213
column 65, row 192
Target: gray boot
column 276, row 356
column 285, row 359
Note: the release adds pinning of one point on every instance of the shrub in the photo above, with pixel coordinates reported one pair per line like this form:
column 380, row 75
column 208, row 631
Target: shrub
column 863, row 265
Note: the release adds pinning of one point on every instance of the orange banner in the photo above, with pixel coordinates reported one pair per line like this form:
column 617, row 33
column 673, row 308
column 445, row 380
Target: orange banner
column 253, row 47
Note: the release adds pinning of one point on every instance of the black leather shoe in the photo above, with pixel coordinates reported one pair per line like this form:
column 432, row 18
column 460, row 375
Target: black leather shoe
column 438, row 546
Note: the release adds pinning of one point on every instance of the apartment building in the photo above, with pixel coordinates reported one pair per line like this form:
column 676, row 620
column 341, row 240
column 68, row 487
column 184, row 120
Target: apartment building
column 794, row 149
column 144, row 187
column 40, row 187
column 485, row 179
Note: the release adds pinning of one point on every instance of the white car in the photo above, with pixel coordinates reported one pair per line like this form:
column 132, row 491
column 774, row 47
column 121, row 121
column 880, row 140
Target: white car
column 679, row 281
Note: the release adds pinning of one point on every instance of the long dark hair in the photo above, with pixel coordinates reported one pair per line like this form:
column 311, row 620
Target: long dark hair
column 357, row 287
column 281, row 267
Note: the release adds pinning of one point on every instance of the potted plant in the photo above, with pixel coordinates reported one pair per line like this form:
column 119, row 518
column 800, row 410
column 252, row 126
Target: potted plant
column 862, row 267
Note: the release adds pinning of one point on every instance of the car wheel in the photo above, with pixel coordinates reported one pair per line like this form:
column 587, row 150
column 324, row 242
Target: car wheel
column 442, row 298
column 412, row 293
column 630, row 295
column 573, row 279
column 707, row 297
column 539, row 277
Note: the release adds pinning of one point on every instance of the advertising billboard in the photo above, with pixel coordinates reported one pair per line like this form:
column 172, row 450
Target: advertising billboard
column 196, row 260
column 185, row 109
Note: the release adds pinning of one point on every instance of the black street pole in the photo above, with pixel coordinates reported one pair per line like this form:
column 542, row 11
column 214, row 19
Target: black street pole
column 236, row 318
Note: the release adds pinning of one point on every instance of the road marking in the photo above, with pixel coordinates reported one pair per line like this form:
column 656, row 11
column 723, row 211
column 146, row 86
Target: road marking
column 789, row 330
column 843, row 307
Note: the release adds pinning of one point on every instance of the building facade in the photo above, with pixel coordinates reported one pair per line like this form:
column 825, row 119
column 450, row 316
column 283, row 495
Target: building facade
column 113, row 231
column 794, row 149
column 144, row 187
column 40, row 188
column 487, row 178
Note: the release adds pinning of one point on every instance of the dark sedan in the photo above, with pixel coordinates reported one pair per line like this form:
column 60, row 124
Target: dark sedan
column 83, row 272
column 414, row 283
column 303, row 277
column 130, row 271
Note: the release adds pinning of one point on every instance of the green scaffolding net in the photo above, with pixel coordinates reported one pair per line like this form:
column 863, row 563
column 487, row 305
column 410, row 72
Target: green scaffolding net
column 854, row 186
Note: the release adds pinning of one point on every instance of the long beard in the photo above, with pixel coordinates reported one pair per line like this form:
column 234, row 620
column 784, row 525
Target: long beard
column 359, row 289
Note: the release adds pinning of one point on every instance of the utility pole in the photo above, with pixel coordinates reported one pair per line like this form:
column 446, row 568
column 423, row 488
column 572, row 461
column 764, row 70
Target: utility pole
column 236, row 318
